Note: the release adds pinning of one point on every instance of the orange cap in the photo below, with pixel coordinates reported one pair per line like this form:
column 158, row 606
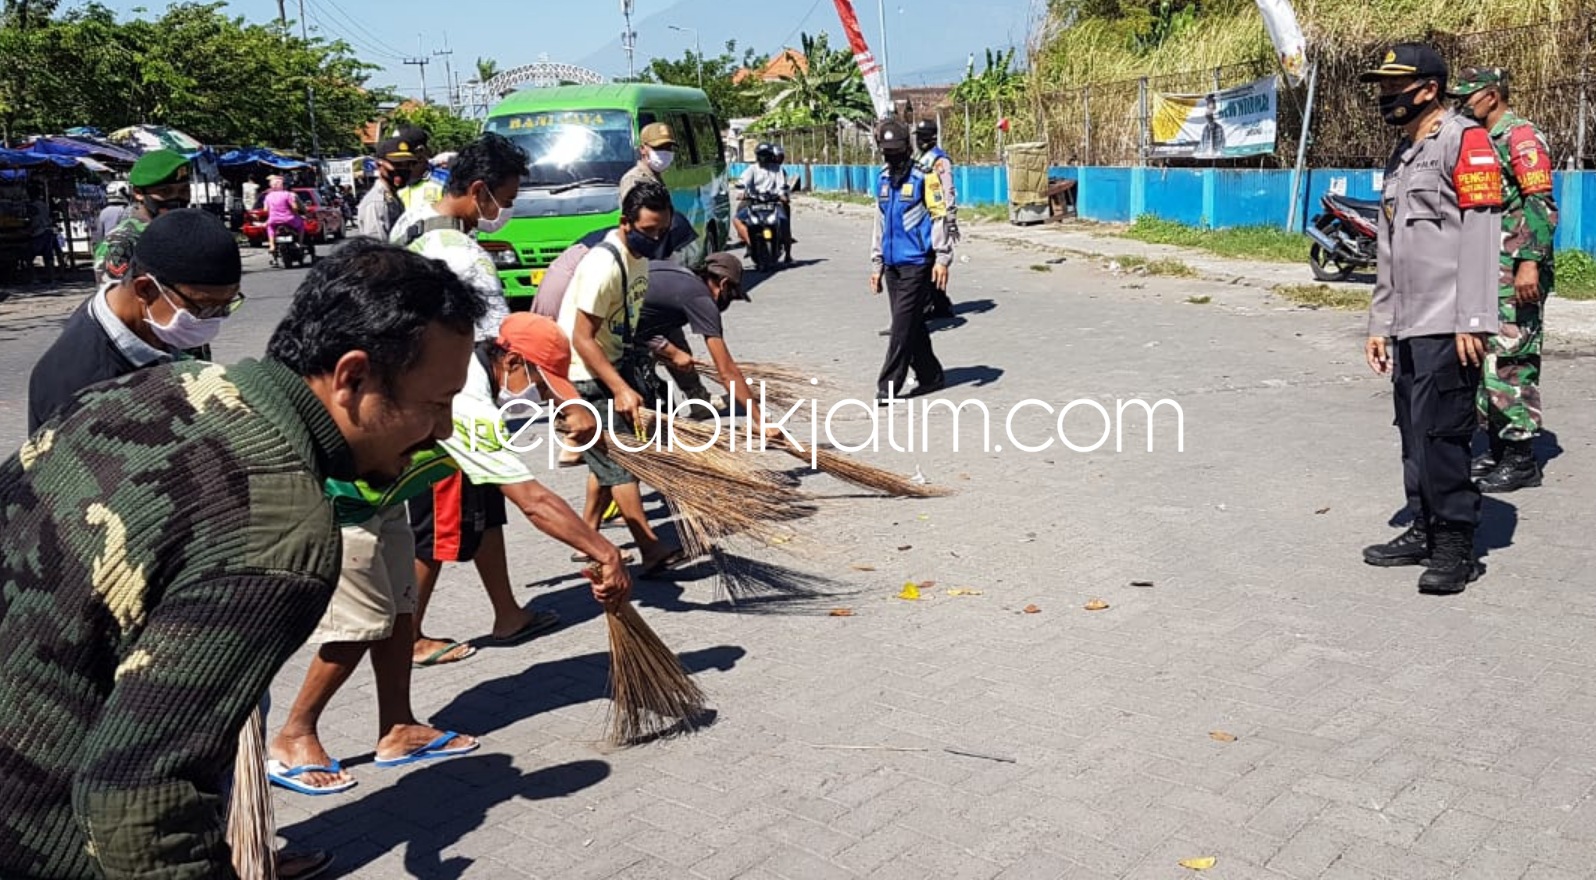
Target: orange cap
column 543, row 344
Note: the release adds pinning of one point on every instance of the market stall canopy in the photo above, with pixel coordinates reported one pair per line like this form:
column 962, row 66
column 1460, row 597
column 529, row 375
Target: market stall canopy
column 58, row 145
column 258, row 155
column 144, row 138
column 30, row 159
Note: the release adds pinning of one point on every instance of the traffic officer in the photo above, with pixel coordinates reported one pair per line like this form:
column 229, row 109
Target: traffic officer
column 160, row 182
column 1509, row 400
column 910, row 254
column 935, row 160
column 425, row 186
column 1435, row 294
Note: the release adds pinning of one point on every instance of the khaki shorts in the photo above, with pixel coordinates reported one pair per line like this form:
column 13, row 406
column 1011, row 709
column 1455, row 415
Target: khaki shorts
column 378, row 582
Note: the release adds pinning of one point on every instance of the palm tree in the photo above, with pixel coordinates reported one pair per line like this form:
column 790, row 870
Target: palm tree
column 825, row 85
column 487, row 69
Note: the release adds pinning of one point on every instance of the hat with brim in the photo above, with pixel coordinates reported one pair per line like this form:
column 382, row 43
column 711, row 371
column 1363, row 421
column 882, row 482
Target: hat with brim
column 658, row 136
column 157, row 168
column 397, row 150
column 728, row 268
column 1408, row 61
column 541, row 343
column 1475, row 79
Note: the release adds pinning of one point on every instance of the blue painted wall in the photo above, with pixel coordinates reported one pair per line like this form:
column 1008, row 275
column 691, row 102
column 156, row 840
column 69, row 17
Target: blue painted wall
column 1210, row 197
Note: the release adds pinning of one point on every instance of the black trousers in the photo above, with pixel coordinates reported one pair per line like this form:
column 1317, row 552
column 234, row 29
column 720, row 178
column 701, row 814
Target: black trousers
column 1435, row 413
column 909, row 344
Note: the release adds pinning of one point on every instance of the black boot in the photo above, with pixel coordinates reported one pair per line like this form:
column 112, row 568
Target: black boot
column 1488, row 462
column 1516, row 470
column 1452, row 566
column 1412, row 547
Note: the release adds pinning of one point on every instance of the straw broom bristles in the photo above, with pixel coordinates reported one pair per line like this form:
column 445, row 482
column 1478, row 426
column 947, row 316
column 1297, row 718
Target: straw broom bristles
column 866, row 476
column 650, row 693
column 250, row 824
column 782, row 387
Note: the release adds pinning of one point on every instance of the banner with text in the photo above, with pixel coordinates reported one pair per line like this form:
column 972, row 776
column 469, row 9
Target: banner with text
column 1226, row 124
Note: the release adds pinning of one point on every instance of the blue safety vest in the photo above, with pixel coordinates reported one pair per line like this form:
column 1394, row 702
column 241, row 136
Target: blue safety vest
column 908, row 211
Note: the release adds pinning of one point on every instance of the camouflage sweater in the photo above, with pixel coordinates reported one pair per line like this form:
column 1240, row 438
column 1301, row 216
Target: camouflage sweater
column 164, row 548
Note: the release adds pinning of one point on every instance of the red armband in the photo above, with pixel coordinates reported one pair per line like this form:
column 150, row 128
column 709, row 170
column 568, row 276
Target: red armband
column 1477, row 175
column 1531, row 164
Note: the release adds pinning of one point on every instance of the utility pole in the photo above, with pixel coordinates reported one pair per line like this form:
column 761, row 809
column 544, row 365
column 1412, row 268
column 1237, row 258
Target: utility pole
column 421, row 61
column 448, row 69
column 881, row 10
column 310, row 90
column 697, row 52
column 629, row 40
column 282, row 13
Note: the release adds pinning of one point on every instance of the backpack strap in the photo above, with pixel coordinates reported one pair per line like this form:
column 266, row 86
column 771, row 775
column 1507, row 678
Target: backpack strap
column 626, row 290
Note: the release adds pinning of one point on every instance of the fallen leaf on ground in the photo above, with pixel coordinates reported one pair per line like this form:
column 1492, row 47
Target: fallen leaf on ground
column 926, row 585
column 1096, row 605
column 858, row 567
column 910, row 591
column 1141, row 583
column 1322, row 510
column 1201, row 864
column 781, row 539
column 1032, row 609
column 906, row 547
column 842, row 612
column 961, row 591
column 964, row 476
column 1221, row 736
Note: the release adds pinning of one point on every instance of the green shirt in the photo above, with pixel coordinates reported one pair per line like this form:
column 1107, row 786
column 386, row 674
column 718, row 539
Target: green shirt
column 164, row 548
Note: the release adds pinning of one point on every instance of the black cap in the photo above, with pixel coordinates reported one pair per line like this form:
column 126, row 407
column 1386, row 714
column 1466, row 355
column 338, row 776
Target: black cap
column 892, row 136
column 1415, row 60
column 926, row 127
column 188, row 246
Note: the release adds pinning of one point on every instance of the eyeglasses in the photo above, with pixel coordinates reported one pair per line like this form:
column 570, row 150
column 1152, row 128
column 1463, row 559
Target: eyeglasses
column 214, row 311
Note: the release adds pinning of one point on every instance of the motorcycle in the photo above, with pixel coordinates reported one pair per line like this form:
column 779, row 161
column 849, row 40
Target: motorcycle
column 1343, row 237
column 292, row 250
column 764, row 230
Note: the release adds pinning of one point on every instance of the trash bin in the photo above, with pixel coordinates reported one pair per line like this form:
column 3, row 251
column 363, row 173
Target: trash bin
column 1027, row 167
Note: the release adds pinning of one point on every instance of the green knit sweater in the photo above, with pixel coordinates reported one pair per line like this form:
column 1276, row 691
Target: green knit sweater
column 164, row 548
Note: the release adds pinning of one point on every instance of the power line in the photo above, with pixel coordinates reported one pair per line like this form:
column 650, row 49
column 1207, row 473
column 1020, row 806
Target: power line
column 372, row 40
column 800, row 26
column 350, row 38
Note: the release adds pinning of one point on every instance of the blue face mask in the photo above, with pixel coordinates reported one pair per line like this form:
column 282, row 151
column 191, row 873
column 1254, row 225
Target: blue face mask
column 641, row 245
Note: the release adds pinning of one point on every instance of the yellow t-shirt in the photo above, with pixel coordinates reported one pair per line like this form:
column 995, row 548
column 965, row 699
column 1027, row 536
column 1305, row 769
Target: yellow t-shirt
column 595, row 290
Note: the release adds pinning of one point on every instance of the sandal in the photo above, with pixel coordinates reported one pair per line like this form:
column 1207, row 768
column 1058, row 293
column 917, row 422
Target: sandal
column 436, row 657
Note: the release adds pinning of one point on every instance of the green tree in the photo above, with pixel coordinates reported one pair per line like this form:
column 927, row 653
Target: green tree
column 194, row 68
column 487, row 69
column 823, row 89
column 730, row 99
column 448, row 131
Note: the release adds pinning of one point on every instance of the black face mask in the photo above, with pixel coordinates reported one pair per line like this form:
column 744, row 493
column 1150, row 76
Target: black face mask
column 641, row 245
column 161, row 206
column 898, row 162
column 399, row 179
column 1401, row 108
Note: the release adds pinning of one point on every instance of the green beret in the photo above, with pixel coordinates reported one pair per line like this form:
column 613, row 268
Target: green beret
column 159, row 167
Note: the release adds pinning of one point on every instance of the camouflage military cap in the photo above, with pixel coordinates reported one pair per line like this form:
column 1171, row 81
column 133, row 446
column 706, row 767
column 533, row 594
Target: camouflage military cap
column 1473, row 79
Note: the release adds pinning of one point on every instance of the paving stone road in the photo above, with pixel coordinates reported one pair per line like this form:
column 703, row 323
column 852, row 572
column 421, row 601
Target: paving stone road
column 1376, row 732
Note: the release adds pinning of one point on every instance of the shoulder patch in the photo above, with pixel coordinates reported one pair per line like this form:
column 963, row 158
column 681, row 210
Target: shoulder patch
column 1477, row 176
column 1532, row 166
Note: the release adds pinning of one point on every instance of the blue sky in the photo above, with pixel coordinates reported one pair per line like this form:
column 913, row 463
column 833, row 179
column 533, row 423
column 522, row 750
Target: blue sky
column 929, row 41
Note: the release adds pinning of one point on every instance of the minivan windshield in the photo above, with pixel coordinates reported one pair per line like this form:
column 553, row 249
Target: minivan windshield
column 571, row 146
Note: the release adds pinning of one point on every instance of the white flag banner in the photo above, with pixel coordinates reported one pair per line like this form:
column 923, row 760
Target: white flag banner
column 1290, row 48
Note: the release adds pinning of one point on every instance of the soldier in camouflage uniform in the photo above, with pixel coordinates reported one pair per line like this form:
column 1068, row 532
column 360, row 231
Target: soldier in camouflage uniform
column 165, row 546
column 160, row 181
column 1509, row 400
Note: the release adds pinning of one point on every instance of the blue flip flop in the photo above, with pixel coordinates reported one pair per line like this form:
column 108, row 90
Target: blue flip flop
column 285, row 776
column 431, row 751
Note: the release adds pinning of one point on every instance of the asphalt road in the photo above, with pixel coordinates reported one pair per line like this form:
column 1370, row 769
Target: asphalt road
column 1252, row 692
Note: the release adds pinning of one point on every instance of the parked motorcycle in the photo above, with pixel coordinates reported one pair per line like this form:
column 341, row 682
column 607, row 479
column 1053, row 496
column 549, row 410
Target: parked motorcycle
column 1343, row 237
column 764, row 233
column 292, row 250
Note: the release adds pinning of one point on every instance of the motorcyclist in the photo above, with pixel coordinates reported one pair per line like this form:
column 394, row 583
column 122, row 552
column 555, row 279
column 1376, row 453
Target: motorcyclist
column 763, row 181
column 283, row 209
column 781, row 167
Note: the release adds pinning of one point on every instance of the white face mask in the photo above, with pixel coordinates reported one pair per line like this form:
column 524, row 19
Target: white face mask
column 499, row 220
column 659, row 160
column 184, row 330
column 530, row 394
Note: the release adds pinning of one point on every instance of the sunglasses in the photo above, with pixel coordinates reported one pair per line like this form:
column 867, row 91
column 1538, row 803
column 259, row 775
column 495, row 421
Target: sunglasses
column 213, row 311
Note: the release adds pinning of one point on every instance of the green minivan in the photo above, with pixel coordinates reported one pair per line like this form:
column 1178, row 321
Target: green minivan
column 581, row 139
